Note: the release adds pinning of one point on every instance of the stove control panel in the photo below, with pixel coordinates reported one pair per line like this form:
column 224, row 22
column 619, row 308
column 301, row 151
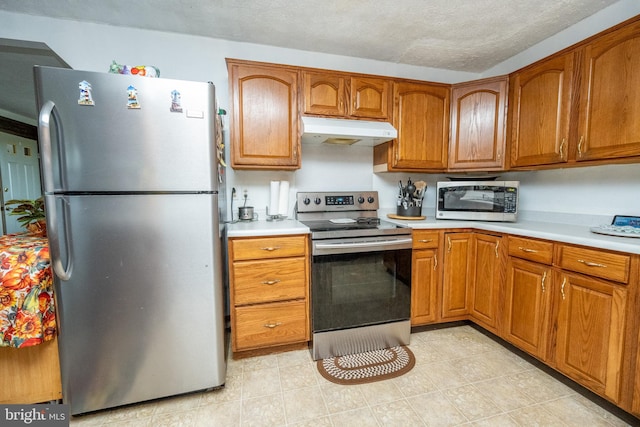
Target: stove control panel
column 337, row 201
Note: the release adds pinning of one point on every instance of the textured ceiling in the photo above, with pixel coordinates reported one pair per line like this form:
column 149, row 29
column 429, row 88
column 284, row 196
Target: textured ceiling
column 463, row 35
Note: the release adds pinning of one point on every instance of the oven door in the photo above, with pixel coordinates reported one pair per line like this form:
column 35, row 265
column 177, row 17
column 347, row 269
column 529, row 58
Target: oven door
column 360, row 282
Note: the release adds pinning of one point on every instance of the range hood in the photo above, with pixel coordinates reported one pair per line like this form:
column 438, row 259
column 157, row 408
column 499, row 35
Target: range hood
column 319, row 130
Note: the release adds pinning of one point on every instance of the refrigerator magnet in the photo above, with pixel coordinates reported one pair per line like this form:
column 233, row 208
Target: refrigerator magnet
column 132, row 98
column 176, row 102
column 85, row 93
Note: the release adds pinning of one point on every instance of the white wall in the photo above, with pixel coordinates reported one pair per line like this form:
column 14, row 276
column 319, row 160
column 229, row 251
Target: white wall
column 93, row 47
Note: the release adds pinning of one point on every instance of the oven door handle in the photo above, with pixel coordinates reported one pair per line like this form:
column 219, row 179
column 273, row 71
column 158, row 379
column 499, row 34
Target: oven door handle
column 379, row 243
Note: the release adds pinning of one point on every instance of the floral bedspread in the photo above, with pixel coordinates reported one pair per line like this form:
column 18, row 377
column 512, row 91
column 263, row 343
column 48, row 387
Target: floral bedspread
column 27, row 310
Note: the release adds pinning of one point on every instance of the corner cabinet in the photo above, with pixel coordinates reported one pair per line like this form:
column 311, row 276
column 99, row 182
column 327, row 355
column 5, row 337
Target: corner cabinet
column 457, row 272
column 478, row 125
column 421, row 116
column 539, row 111
column 265, row 116
column 610, row 96
column 268, row 291
column 425, row 273
column 486, row 285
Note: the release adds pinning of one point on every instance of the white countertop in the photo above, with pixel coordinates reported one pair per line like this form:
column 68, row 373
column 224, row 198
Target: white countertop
column 265, row 228
column 560, row 232
column 557, row 231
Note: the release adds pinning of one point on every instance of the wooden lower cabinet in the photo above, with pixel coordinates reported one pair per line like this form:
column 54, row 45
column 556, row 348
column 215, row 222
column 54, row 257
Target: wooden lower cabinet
column 457, row 273
column 527, row 306
column 487, row 280
column 269, row 291
column 425, row 277
column 591, row 330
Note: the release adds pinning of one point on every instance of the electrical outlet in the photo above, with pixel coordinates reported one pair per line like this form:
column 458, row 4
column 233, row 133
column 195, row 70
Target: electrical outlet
column 234, row 193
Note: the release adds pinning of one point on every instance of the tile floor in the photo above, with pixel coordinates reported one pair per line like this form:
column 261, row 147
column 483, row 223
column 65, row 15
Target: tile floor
column 461, row 377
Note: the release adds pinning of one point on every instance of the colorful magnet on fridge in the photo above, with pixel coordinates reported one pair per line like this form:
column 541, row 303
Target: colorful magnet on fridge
column 85, row 93
column 176, row 102
column 132, row 98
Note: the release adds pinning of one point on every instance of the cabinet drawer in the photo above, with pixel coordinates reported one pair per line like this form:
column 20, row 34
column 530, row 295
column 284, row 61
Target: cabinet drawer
column 270, row 324
column 425, row 239
column 269, row 280
column 268, row 247
column 531, row 249
column 596, row 263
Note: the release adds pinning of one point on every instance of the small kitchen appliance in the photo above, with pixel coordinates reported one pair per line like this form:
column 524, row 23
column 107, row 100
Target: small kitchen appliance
column 478, row 200
column 360, row 274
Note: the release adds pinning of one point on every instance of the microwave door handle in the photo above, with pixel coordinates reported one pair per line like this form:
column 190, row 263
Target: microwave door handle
column 362, row 244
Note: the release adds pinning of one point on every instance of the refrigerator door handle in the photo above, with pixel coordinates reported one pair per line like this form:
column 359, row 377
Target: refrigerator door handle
column 44, row 133
column 62, row 271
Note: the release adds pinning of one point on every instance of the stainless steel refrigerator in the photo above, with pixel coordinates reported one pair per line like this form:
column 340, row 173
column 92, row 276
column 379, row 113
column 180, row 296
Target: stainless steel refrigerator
column 130, row 179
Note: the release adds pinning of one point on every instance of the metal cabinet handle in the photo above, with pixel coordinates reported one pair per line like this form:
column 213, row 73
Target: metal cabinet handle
column 527, row 250
column 272, row 325
column 544, row 277
column 562, row 144
column 435, row 264
column 271, row 248
column 497, row 246
column 448, row 244
column 271, row 282
column 425, row 240
column 591, row 264
column 580, row 146
column 564, row 282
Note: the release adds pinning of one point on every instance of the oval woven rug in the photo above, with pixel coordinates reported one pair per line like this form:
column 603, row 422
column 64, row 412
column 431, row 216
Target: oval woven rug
column 367, row 367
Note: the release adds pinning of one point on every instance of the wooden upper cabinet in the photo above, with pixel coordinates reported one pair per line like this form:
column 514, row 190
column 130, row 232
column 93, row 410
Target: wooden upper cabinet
column 346, row 96
column 421, row 116
column 264, row 104
column 539, row 107
column 478, row 117
column 369, row 97
column 610, row 96
column 324, row 94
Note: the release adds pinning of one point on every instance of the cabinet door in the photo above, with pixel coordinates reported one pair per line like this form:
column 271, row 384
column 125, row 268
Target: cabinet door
column 478, row 115
column 610, row 96
column 591, row 319
column 264, row 131
column 324, row 94
column 457, row 272
column 424, row 284
column 369, row 97
column 421, row 116
column 487, row 280
column 527, row 306
column 539, row 105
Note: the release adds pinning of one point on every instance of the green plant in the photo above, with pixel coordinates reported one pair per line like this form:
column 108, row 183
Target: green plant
column 29, row 211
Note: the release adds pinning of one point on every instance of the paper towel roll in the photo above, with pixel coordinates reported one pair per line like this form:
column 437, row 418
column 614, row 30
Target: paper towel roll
column 283, row 203
column 274, row 198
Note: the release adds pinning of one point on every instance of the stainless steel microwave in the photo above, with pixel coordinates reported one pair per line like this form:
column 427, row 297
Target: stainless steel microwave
column 478, row 200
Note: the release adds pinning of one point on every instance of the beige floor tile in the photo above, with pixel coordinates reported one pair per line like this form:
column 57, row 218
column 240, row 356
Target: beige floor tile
column 502, row 420
column 293, row 358
column 362, row 417
column 380, row 392
column 340, row 398
column 175, row 419
column 304, row 404
column 574, row 413
column 415, row 382
column 474, row 368
column 444, row 375
column 266, row 411
column 473, row 404
column 260, row 382
column 539, row 386
column 297, row 376
column 178, row 403
column 232, row 390
column 502, row 392
column 535, row 416
column 219, row 414
column 397, row 413
column 259, row 362
column 436, row 410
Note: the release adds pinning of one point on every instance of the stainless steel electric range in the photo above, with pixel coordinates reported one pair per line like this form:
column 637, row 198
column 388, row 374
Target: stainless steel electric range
column 360, row 274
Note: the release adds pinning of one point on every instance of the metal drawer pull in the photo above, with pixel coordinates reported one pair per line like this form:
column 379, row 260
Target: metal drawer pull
column 497, row 246
column 435, row 264
column 544, row 277
column 271, row 282
column 271, row 248
column 591, row 264
column 564, row 282
column 425, row 240
column 272, row 325
column 527, row 250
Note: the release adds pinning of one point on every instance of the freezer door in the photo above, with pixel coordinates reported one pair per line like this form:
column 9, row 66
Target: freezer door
column 141, row 315
column 98, row 142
